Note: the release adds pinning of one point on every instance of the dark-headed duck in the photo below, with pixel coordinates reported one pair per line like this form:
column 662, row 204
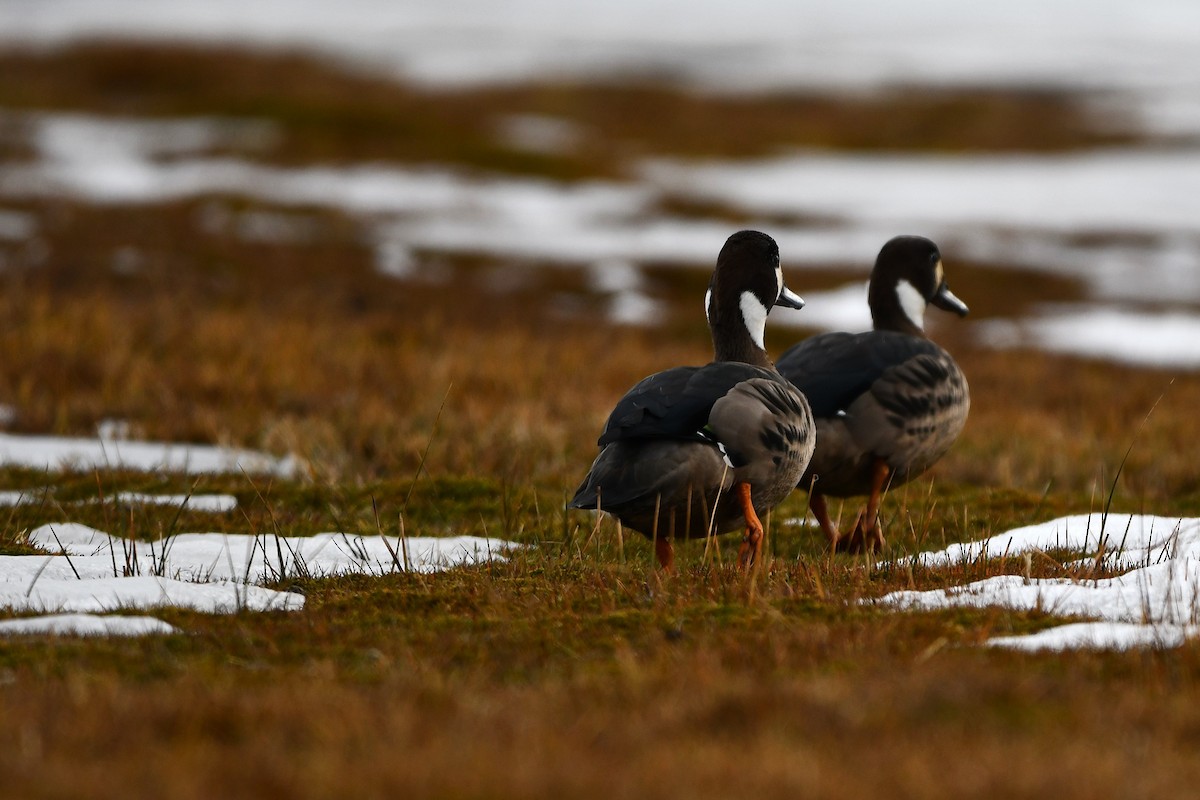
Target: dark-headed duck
column 696, row 451
column 889, row 402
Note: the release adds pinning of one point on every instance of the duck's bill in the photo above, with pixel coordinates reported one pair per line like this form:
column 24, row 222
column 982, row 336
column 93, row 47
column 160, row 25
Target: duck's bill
column 945, row 300
column 789, row 299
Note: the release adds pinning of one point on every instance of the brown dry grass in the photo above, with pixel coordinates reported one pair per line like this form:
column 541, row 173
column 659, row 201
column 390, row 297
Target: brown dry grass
column 572, row 669
column 329, row 115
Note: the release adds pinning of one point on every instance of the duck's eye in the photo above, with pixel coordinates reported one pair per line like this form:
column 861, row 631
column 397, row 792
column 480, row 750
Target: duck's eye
column 935, row 257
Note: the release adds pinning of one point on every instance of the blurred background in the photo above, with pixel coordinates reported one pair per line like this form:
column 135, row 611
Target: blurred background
column 297, row 225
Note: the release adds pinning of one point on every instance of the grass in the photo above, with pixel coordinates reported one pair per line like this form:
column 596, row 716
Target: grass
column 328, row 115
column 573, row 668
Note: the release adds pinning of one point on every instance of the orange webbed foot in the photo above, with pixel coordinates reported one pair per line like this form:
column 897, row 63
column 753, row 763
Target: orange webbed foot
column 751, row 547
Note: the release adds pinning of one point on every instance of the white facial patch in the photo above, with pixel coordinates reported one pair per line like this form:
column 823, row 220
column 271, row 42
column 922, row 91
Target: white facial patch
column 941, row 274
column 778, row 280
column 707, row 301
column 754, row 315
column 912, row 302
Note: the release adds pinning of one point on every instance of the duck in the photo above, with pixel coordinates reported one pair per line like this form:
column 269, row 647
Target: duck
column 889, row 402
column 692, row 451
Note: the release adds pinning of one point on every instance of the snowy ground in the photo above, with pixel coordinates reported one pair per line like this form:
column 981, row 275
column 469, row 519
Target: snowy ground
column 1136, row 62
column 104, row 452
column 90, row 574
column 1125, row 223
column 1137, row 55
column 1154, row 602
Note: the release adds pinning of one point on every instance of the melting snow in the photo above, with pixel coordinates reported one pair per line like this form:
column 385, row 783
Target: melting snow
column 1156, row 339
column 1141, row 50
column 1124, row 222
column 1156, row 602
column 212, row 503
column 1027, row 211
column 1104, row 191
column 1100, row 636
column 94, row 573
column 85, row 625
column 57, row 453
column 841, row 309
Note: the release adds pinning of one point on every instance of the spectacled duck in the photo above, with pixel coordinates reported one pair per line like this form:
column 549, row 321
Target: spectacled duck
column 889, row 402
column 697, row 451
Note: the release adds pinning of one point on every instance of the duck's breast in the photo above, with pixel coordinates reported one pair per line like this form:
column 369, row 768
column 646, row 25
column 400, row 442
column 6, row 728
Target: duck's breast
column 767, row 430
column 913, row 413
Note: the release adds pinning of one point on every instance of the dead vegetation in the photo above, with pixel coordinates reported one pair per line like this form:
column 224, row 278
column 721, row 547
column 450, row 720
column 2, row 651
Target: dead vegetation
column 572, row 669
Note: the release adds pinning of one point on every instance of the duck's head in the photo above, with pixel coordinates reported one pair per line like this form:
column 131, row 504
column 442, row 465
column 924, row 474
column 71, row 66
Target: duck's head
column 908, row 276
column 746, row 284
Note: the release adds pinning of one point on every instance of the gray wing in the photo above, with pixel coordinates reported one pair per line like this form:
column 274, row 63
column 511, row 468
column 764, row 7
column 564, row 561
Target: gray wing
column 835, row 369
column 675, row 404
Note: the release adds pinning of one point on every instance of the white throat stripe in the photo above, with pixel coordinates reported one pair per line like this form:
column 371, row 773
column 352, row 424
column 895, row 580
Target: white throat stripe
column 754, row 314
column 912, row 302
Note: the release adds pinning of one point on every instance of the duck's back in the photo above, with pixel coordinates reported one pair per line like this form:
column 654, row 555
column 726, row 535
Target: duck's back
column 877, row 395
column 675, row 403
column 680, row 438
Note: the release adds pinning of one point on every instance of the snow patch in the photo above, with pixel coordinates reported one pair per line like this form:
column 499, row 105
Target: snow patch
column 1159, row 339
column 1137, row 57
column 91, row 572
column 1099, row 636
column 1156, row 602
column 212, row 503
column 841, row 309
column 55, row 453
column 85, row 625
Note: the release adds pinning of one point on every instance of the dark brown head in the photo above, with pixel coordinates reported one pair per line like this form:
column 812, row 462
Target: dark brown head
column 746, row 284
column 908, row 276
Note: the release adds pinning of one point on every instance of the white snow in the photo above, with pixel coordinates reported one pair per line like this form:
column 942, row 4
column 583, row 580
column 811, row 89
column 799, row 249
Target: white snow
column 94, row 594
column 58, row 453
column 841, row 309
column 239, row 557
column 1026, row 211
column 92, row 572
column 85, row 625
column 18, row 497
column 1100, row 636
column 1123, row 222
column 1162, row 339
column 212, row 503
column 1135, row 55
column 1154, row 602
column 1097, row 191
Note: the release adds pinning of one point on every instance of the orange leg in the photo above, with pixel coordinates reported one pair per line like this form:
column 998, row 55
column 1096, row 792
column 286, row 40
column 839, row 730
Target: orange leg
column 866, row 536
column 816, row 501
column 665, row 552
column 752, row 541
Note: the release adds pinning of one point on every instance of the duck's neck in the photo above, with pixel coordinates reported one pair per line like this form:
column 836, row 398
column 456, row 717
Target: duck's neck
column 897, row 308
column 732, row 341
